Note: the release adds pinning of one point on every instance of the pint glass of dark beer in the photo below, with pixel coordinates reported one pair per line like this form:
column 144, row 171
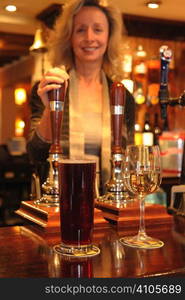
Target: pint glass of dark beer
column 77, row 193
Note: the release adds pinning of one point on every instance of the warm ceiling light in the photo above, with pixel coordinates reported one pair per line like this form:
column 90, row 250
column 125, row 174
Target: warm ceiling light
column 11, row 8
column 153, row 4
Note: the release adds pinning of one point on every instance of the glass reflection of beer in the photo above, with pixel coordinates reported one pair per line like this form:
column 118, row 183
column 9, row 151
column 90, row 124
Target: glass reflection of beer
column 76, row 269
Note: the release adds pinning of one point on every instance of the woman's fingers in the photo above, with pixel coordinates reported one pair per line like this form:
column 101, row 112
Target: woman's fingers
column 52, row 79
column 57, row 72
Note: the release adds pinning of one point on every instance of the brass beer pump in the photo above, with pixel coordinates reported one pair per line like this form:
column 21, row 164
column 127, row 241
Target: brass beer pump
column 50, row 188
column 115, row 188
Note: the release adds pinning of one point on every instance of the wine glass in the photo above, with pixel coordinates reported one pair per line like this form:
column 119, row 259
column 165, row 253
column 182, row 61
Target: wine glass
column 142, row 176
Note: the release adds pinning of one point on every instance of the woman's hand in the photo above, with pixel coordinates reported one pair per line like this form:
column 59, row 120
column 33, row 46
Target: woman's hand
column 52, row 79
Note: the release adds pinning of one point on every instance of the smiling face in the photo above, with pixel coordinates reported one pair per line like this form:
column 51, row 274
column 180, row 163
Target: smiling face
column 90, row 35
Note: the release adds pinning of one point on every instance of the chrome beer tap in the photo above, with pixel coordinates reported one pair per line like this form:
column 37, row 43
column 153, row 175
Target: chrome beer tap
column 50, row 188
column 115, row 187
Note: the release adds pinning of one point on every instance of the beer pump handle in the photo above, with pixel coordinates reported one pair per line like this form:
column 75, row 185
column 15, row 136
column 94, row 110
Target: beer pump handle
column 165, row 58
column 56, row 99
column 117, row 98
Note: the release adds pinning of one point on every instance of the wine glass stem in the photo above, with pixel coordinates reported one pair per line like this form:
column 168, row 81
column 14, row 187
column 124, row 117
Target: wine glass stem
column 142, row 232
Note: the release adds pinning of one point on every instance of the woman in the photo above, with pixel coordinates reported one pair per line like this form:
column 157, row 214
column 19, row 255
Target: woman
column 87, row 42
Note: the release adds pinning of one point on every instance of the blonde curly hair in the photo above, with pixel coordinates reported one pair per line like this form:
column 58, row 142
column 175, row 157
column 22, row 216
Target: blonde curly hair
column 60, row 43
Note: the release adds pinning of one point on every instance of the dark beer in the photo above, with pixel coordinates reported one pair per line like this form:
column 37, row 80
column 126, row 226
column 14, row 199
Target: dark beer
column 76, row 189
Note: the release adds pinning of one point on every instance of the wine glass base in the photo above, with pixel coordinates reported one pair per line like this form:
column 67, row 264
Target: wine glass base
column 142, row 243
column 76, row 251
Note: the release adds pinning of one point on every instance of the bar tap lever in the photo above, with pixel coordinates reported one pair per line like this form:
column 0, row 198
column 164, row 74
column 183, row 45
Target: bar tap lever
column 115, row 187
column 177, row 101
column 50, row 187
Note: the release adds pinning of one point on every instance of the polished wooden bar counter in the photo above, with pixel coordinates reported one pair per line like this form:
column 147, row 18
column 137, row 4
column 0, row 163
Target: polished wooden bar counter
column 27, row 254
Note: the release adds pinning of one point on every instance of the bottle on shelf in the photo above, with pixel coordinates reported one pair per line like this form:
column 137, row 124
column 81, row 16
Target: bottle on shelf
column 138, row 138
column 153, row 81
column 127, row 68
column 148, row 135
column 140, row 70
column 139, row 94
column 156, row 129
